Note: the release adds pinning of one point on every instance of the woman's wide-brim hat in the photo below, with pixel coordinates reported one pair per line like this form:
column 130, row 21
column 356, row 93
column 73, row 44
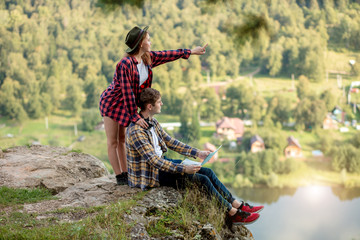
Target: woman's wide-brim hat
column 134, row 37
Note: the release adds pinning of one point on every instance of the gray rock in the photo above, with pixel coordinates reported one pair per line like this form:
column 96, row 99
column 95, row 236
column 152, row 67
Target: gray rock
column 209, row 232
column 54, row 168
column 139, row 232
column 95, row 192
column 161, row 198
column 238, row 232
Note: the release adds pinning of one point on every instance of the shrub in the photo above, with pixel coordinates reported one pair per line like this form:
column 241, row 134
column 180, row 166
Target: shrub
column 272, row 180
column 258, row 164
column 356, row 140
column 274, row 139
column 290, row 165
column 326, row 140
column 347, row 157
column 224, row 171
column 90, row 118
column 241, row 181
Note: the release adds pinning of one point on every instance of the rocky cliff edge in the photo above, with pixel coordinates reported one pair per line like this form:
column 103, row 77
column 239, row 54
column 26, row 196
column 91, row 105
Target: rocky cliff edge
column 81, row 180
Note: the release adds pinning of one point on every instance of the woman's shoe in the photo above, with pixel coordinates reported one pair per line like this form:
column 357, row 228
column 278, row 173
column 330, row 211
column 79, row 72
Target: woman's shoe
column 122, row 179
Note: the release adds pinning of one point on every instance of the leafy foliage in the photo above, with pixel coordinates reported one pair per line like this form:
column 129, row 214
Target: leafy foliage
column 262, row 167
column 238, row 99
column 62, row 55
column 310, row 113
column 280, row 109
column 90, row 117
column 346, row 157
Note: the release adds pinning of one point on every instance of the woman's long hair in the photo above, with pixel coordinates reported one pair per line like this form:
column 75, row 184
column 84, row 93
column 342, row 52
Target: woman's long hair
column 145, row 57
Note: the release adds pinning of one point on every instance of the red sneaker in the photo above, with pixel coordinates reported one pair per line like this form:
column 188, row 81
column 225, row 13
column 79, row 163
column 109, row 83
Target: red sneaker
column 244, row 218
column 245, row 207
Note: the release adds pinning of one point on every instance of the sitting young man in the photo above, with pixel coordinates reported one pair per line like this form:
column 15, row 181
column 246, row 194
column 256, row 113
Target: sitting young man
column 148, row 168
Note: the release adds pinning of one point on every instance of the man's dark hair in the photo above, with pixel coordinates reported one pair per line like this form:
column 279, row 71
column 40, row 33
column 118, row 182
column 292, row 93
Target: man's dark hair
column 148, row 96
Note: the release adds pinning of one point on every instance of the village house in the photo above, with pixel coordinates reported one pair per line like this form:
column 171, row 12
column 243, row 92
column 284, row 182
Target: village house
column 229, row 128
column 293, row 149
column 256, row 144
column 330, row 123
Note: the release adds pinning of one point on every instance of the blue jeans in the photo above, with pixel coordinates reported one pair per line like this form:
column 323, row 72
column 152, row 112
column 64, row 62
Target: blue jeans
column 205, row 177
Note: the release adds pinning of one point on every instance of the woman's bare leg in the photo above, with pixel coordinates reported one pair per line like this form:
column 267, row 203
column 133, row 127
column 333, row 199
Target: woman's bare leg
column 112, row 131
column 122, row 148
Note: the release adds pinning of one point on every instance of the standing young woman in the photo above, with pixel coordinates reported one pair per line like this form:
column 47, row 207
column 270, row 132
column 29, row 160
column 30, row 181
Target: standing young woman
column 118, row 103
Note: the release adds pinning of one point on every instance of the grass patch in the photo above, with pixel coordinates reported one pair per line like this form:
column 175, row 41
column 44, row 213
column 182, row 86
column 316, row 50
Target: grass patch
column 17, row 222
column 77, row 210
column 9, row 196
column 338, row 61
column 107, row 222
column 194, row 207
column 162, row 226
column 59, row 133
column 166, row 118
column 75, row 151
column 206, row 134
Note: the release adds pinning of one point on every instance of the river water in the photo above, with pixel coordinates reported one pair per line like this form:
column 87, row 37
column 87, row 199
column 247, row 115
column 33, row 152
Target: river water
column 311, row 212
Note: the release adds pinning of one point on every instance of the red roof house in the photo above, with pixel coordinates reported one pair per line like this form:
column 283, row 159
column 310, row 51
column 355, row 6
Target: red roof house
column 230, row 128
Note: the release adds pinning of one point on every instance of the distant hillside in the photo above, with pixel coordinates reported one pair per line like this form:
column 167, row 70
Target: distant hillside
column 62, row 54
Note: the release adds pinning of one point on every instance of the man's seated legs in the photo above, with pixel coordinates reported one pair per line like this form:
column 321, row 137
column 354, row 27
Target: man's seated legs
column 217, row 184
column 207, row 179
column 175, row 180
column 226, row 193
column 204, row 178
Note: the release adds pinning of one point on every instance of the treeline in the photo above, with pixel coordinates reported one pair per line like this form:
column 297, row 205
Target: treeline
column 265, row 167
column 345, row 155
column 62, row 54
column 308, row 110
column 261, row 168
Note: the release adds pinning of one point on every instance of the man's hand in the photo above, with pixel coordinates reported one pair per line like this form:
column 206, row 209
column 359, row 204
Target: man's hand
column 191, row 169
column 203, row 154
column 199, row 50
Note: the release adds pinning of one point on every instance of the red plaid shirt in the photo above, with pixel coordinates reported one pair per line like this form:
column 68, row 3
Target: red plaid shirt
column 119, row 100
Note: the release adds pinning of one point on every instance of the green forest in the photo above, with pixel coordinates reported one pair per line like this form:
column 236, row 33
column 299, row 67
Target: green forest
column 60, row 56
